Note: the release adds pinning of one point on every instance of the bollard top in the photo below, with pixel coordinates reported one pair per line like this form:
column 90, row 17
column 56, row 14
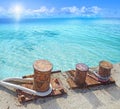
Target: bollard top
column 82, row 67
column 105, row 64
column 42, row 65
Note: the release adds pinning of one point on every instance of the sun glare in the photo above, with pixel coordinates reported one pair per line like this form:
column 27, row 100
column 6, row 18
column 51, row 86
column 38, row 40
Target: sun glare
column 18, row 9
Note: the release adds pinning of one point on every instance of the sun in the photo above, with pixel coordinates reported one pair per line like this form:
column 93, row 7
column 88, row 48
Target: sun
column 18, row 9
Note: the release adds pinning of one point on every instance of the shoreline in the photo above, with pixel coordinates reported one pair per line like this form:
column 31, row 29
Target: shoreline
column 101, row 97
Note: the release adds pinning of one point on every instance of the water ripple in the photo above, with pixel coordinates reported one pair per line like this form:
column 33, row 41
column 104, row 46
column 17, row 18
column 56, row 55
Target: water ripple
column 64, row 44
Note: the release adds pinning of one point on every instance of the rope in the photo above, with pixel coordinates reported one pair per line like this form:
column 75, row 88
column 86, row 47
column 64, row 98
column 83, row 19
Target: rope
column 100, row 78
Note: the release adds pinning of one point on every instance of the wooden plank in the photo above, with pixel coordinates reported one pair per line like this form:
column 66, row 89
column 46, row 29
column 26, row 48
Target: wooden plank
column 56, row 91
column 72, row 84
column 32, row 75
column 91, row 80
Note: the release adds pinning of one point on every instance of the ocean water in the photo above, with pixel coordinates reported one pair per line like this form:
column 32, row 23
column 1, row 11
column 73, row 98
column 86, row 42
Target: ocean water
column 64, row 42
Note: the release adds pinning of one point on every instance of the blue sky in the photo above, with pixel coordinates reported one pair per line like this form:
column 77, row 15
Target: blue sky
column 59, row 8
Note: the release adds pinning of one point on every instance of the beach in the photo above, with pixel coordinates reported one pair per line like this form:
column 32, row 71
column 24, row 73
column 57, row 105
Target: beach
column 59, row 55
column 102, row 97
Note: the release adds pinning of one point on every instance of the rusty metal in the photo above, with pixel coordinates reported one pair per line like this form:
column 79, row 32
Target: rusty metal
column 42, row 72
column 91, row 80
column 32, row 75
column 57, row 89
column 80, row 73
column 105, row 68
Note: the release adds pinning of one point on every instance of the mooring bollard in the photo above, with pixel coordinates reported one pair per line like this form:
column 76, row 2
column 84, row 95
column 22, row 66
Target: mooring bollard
column 42, row 71
column 105, row 68
column 80, row 74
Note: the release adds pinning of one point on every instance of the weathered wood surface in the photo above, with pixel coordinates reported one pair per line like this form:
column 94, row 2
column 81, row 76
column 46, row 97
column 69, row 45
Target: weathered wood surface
column 91, row 80
column 57, row 89
column 32, row 75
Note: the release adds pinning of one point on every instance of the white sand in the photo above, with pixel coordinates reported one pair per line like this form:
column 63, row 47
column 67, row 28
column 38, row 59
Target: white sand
column 102, row 97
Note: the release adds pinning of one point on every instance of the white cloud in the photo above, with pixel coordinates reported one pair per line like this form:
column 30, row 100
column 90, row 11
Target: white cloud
column 95, row 9
column 52, row 10
column 82, row 11
column 1, row 9
column 72, row 9
column 45, row 11
column 42, row 11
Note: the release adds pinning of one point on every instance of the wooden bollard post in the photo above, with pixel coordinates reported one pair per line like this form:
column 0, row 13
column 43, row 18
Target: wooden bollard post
column 42, row 71
column 105, row 68
column 80, row 74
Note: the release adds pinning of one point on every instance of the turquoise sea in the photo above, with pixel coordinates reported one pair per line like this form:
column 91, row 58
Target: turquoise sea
column 63, row 41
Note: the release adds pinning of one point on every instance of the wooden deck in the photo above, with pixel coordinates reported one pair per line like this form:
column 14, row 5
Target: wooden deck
column 57, row 85
column 91, row 81
column 57, row 90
